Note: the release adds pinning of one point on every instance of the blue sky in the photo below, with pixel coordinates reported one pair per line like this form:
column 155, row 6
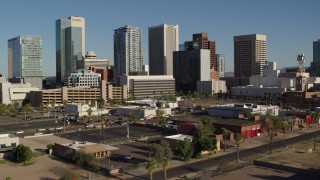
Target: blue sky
column 290, row 25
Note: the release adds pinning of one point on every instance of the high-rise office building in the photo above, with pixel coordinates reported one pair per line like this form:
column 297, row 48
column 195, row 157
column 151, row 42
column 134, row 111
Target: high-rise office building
column 200, row 41
column 127, row 50
column 25, row 59
column 189, row 67
column 220, row 64
column 163, row 41
column 250, row 54
column 315, row 65
column 70, row 46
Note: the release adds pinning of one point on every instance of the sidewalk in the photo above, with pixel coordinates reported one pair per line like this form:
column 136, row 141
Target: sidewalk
column 247, row 144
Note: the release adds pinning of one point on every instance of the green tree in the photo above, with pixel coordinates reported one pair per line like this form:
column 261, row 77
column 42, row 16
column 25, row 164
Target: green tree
column 150, row 166
column 101, row 103
column 185, row 149
column 165, row 163
column 201, row 138
column 93, row 103
column 89, row 111
column 225, row 133
column 272, row 126
column 162, row 121
column 22, row 153
column 85, row 118
column 65, row 102
column 238, row 140
column 85, row 160
column 160, row 151
column 27, row 109
column 41, row 108
column 3, row 110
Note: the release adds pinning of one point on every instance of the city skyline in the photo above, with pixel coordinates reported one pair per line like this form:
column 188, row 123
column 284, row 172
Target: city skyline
column 289, row 25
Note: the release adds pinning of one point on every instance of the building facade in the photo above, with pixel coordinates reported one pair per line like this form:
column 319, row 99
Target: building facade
column 25, row 59
column 220, row 66
column 91, row 60
column 250, row 54
column 190, row 66
column 315, row 65
column 8, row 141
column 127, row 50
column 77, row 94
column 70, row 46
column 148, row 86
column 211, row 87
column 84, row 77
column 163, row 41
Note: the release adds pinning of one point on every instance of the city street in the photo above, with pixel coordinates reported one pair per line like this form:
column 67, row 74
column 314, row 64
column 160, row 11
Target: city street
column 214, row 162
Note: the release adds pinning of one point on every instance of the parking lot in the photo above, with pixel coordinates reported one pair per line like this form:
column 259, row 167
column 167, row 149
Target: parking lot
column 110, row 134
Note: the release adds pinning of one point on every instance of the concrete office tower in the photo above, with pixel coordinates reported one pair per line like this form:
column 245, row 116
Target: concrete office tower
column 315, row 65
column 70, row 46
column 250, row 54
column 91, row 60
column 220, row 64
column 25, row 59
column 190, row 66
column 163, row 41
column 127, row 50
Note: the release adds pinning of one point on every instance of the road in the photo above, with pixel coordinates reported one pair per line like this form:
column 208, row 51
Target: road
column 212, row 162
column 30, row 125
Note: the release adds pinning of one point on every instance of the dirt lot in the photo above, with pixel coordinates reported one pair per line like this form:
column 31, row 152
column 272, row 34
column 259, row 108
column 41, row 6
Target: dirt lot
column 44, row 167
column 256, row 172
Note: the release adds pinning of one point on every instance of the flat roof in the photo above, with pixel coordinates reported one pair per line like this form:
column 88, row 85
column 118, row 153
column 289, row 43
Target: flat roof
column 180, row 137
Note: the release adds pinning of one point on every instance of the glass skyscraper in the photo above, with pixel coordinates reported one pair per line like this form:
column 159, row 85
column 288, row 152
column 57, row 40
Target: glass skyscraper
column 25, row 59
column 127, row 50
column 70, row 46
column 220, row 58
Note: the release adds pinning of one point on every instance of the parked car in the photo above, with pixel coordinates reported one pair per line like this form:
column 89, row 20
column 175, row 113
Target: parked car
column 37, row 133
column 19, row 132
column 41, row 129
column 127, row 157
column 59, row 128
column 90, row 126
column 98, row 126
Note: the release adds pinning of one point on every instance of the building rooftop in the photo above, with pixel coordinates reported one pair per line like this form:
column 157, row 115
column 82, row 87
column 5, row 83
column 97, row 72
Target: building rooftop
column 180, row 137
column 89, row 147
column 7, row 136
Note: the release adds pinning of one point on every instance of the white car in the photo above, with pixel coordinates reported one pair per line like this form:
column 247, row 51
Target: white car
column 98, row 126
column 19, row 132
column 90, row 126
column 59, row 128
column 37, row 133
column 41, row 129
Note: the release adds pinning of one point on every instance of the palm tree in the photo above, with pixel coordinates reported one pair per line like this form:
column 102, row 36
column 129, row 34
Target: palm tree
column 272, row 126
column 238, row 138
column 89, row 111
column 226, row 132
column 150, row 166
column 164, row 164
column 160, row 117
column 41, row 108
column 27, row 109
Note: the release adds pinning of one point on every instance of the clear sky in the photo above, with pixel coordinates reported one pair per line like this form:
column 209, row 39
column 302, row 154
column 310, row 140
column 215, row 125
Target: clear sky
column 290, row 25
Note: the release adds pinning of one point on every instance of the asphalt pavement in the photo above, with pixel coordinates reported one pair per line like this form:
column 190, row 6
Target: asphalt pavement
column 214, row 162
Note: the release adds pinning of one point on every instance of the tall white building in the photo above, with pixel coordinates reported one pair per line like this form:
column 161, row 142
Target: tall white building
column 163, row 41
column 25, row 59
column 127, row 50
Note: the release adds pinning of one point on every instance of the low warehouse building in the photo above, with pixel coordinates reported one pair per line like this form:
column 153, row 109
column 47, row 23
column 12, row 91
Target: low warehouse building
column 67, row 151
